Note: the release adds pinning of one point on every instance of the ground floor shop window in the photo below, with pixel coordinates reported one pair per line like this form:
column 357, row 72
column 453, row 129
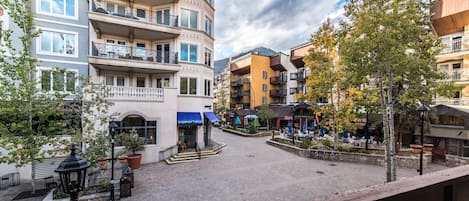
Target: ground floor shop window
column 188, row 135
column 144, row 128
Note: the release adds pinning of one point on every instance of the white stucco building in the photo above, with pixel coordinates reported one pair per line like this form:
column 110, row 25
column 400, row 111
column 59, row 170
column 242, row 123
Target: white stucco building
column 156, row 59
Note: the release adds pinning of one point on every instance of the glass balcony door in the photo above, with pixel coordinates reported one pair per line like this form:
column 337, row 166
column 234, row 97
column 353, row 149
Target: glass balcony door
column 162, row 52
column 163, row 17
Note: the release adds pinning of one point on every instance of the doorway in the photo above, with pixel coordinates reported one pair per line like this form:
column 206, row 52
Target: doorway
column 188, row 135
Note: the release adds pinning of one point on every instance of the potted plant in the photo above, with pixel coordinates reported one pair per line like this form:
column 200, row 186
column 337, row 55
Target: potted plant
column 133, row 144
column 122, row 157
column 416, row 148
column 427, row 147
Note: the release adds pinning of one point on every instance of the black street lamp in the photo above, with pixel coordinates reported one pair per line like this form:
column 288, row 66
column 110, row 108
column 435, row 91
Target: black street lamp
column 112, row 129
column 72, row 172
column 293, row 123
column 422, row 110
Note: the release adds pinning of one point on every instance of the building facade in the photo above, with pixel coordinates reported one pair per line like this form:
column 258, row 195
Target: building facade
column 155, row 58
column 451, row 23
column 221, row 91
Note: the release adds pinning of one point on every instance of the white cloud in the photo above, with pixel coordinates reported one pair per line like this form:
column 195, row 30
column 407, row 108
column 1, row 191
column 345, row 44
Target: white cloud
column 276, row 24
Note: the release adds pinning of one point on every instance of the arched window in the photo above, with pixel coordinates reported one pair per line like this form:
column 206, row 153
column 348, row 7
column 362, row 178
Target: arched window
column 144, row 128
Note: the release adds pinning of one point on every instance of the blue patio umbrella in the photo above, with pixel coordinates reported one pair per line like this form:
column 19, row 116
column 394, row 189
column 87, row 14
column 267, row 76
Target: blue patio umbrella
column 345, row 134
column 237, row 121
column 321, row 132
column 304, row 126
column 313, row 126
column 290, row 129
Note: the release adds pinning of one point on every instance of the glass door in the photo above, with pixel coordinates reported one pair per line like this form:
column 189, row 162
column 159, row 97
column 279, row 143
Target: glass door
column 162, row 52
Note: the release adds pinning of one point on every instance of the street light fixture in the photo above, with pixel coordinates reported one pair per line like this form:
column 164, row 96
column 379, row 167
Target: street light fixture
column 422, row 110
column 112, row 129
column 72, row 172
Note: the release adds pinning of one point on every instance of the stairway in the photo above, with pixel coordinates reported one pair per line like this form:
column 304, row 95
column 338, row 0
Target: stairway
column 185, row 157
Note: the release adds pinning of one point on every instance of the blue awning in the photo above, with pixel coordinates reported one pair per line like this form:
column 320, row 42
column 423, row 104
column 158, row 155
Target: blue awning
column 189, row 118
column 212, row 117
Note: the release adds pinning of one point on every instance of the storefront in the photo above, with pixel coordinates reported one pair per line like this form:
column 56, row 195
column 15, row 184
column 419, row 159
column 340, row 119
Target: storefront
column 188, row 126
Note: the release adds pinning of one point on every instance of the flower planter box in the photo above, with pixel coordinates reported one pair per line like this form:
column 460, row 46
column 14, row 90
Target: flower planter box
column 427, row 147
column 416, row 149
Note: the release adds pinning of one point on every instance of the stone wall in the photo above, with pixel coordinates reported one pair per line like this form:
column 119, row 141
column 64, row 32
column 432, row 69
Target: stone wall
column 412, row 161
column 454, row 161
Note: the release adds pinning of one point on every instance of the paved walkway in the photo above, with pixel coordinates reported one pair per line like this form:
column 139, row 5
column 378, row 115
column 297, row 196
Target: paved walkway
column 249, row 169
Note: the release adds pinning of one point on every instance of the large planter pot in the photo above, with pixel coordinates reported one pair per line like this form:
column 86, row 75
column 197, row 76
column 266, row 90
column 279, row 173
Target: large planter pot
column 416, row 149
column 134, row 161
column 427, row 147
column 122, row 159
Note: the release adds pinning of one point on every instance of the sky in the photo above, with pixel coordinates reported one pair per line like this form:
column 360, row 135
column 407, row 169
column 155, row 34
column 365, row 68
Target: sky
column 277, row 24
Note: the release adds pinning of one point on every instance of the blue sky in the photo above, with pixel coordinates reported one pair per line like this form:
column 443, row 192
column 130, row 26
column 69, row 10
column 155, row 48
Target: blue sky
column 276, row 24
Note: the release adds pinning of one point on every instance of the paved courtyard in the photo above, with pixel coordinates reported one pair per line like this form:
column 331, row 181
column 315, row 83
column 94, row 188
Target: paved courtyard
column 249, row 169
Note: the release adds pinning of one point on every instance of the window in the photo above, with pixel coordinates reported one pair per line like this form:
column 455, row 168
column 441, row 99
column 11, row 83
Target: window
column 264, row 100
column 162, row 17
column 112, row 80
column 57, row 80
column 58, row 43
column 189, row 18
column 450, row 120
column 264, row 75
column 207, row 88
column 457, row 66
column 144, row 128
column 208, row 26
column 58, row 7
column 264, row 87
column 208, row 57
column 140, row 82
column 163, row 82
column 188, row 86
column 115, row 8
column 141, row 13
column 188, row 53
column 162, row 53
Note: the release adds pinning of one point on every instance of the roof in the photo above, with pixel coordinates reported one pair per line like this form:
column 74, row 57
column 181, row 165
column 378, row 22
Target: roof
column 459, row 110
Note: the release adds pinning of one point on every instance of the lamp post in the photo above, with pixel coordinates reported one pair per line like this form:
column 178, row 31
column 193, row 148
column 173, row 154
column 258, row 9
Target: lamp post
column 422, row 110
column 72, row 172
column 112, row 129
column 293, row 123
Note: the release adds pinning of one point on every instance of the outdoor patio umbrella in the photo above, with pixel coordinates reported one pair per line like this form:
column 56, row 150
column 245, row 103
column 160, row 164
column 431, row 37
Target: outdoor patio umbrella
column 321, row 132
column 237, row 121
column 313, row 126
column 251, row 116
column 290, row 129
column 304, row 127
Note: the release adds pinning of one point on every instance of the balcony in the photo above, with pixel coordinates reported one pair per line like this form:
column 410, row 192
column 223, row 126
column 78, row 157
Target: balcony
column 452, row 45
column 278, row 80
column 240, row 82
column 278, row 93
column 298, row 53
column 456, row 74
column 124, row 23
column 276, row 63
column 452, row 101
column 135, row 93
column 247, row 93
column 450, row 16
column 107, row 56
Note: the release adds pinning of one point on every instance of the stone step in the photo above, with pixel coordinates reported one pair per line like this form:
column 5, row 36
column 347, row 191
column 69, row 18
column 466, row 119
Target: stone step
column 195, row 154
column 191, row 157
column 171, row 160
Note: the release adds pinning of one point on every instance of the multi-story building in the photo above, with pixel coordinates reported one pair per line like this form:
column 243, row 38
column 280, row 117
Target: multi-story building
column 221, row 91
column 250, row 80
column 451, row 23
column 156, row 59
column 301, row 73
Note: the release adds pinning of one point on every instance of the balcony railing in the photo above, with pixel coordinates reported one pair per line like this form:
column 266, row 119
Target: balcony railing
column 133, row 53
column 278, row 92
column 239, row 82
column 455, row 74
column 135, row 93
column 453, row 45
column 278, row 80
column 125, row 12
column 454, row 101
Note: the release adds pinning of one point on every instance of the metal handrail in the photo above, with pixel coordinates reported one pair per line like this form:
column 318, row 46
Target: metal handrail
column 114, row 51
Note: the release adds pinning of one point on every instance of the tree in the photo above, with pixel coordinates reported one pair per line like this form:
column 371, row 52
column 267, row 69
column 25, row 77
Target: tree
column 390, row 46
column 326, row 82
column 221, row 104
column 29, row 120
column 265, row 114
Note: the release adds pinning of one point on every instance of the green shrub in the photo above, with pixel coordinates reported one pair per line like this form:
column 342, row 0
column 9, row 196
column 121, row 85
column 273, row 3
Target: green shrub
column 346, row 147
column 326, row 142
column 252, row 129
